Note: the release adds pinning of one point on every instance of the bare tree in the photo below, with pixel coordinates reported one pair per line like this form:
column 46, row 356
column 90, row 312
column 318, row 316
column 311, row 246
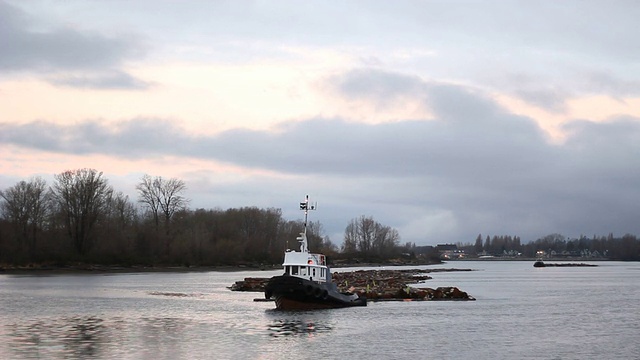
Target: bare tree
column 171, row 199
column 369, row 238
column 350, row 244
column 162, row 197
column 122, row 211
column 118, row 227
column 385, row 240
column 82, row 197
column 359, row 235
column 26, row 205
column 149, row 196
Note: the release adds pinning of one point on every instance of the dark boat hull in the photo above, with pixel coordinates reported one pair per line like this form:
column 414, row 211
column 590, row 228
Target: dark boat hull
column 293, row 293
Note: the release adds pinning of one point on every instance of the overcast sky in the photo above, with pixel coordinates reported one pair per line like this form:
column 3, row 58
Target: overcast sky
column 442, row 119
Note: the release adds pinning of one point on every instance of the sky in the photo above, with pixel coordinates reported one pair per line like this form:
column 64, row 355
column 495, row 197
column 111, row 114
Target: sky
column 441, row 119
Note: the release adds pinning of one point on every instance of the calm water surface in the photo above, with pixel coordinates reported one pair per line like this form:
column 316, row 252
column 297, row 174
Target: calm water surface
column 521, row 312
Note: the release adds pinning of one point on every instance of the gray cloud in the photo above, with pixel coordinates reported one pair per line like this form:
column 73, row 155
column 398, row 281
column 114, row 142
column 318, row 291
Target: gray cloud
column 580, row 47
column 101, row 80
column 136, row 138
column 376, row 85
column 551, row 92
column 606, row 82
column 545, row 97
column 65, row 54
column 474, row 168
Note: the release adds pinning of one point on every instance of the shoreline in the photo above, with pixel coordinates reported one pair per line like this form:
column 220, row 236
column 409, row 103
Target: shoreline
column 43, row 269
column 117, row 269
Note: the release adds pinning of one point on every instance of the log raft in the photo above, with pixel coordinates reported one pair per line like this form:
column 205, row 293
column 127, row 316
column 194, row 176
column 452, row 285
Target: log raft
column 379, row 285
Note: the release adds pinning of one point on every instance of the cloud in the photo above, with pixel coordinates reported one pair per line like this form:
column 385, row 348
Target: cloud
column 376, row 85
column 552, row 92
column 107, row 80
column 470, row 135
column 65, row 52
column 548, row 94
column 474, row 164
column 605, row 82
column 135, row 138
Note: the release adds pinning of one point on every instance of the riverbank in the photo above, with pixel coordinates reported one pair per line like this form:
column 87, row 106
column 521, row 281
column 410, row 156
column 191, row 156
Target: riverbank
column 93, row 268
column 49, row 268
column 503, row 258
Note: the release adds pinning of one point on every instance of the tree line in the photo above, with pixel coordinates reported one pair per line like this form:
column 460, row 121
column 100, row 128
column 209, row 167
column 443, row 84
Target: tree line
column 81, row 218
column 623, row 248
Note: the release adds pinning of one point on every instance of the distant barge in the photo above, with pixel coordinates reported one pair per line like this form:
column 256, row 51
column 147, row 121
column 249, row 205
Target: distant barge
column 540, row 263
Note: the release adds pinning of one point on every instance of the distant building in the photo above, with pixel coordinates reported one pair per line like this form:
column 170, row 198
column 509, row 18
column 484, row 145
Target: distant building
column 450, row 252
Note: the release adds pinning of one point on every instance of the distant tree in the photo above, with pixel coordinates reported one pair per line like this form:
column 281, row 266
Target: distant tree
column 119, row 227
column 328, row 247
column 314, row 236
column 516, row 244
column 350, row 244
column 122, row 211
column 629, row 248
column 385, row 241
column 257, row 230
column 409, row 248
column 81, row 197
column 149, row 196
column 370, row 238
column 26, row 205
column 162, row 197
column 359, row 234
column 478, row 245
column 487, row 244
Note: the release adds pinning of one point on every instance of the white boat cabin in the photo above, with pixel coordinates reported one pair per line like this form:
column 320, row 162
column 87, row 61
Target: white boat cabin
column 304, row 264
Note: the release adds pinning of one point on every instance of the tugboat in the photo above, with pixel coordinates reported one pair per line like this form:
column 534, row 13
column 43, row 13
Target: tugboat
column 306, row 283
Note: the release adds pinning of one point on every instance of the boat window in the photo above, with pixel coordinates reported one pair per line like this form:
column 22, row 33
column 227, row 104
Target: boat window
column 314, row 272
column 294, row 270
column 286, row 270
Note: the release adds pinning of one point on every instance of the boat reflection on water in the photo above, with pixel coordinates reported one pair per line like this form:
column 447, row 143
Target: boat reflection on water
column 282, row 327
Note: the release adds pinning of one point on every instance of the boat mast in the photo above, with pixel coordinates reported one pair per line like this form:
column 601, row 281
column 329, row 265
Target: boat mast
column 304, row 246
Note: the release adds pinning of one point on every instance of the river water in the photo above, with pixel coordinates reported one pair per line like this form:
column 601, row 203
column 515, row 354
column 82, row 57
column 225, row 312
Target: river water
column 521, row 312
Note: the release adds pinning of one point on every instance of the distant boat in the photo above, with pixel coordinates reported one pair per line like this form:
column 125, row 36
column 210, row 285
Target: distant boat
column 306, row 283
column 539, row 263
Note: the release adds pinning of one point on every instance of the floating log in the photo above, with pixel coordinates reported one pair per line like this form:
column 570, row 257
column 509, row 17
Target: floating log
column 250, row 284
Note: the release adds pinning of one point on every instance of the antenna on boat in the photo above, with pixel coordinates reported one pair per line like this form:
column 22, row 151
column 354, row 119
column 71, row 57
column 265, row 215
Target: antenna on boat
column 306, row 207
column 303, row 235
